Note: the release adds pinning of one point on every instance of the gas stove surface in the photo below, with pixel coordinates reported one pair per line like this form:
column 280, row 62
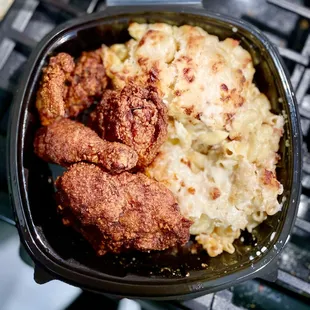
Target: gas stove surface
column 287, row 25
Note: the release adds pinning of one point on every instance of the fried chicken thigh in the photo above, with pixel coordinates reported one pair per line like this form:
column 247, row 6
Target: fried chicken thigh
column 120, row 212
column 65, row 142
column 88, row 82
column 134, row 116
column 68, row 88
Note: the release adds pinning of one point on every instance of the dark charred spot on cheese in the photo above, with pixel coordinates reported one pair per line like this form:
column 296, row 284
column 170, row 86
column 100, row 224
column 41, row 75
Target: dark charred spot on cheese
column 185, row 162
column 191, row 190
column 142, row 61
column 224, row 87
column 147, row 34
column 182, row 183
column 243, row 80
column 198, row 116
column 225, row 98
column 215, row 193
column 153, row 75
column 236, row 138
column 188, row 75
column 218, row 63
column 142, row 41
column 178, row 93
column 242, row 77
column 269, row 178
column 189, row 110
column 229, row 118
column 185, row 58
column 237, row 100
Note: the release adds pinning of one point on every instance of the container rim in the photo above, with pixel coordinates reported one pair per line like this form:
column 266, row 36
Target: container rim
column 169, row 289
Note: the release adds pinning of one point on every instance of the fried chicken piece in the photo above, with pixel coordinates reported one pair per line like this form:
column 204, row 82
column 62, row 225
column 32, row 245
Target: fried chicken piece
column 134, row 116
column 68, row 88
column 65, row 142
column 88, row 82
column 50, row 97
column 120, row 212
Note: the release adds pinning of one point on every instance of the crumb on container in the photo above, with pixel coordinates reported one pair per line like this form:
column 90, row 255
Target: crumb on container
column 263, row 249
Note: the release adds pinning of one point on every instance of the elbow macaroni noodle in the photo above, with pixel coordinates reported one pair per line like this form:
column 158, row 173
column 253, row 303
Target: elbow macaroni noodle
column 221, row 154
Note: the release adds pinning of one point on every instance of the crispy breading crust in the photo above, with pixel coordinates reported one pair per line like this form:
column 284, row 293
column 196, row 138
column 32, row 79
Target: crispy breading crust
column 134, row 116
column 88, row 82
column 65, row 142
column 68, row 88
column 50, row 97
column 120, row 212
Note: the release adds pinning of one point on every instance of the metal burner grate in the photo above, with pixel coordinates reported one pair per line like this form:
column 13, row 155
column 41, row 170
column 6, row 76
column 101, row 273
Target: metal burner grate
column 28, row 21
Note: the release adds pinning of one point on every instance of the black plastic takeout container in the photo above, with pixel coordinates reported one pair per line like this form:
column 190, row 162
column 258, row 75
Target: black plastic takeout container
column 172, row 274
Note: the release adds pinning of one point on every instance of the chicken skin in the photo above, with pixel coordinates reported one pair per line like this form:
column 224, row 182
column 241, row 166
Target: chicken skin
column 134, row 116
column 87, row 82
column 50, row 97
column 65, row 142
column 120, row 212
column 68, row 88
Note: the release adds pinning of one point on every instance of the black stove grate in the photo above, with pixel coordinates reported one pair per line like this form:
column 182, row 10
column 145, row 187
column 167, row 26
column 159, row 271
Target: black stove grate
column 28, row 21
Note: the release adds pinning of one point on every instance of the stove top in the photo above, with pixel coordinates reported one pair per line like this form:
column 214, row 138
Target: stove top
column 286, row 23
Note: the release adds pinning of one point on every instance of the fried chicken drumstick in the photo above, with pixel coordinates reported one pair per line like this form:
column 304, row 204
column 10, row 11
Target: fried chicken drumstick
column 134, row 116
column 65, row 142
column 68, row 88
column 120, row 212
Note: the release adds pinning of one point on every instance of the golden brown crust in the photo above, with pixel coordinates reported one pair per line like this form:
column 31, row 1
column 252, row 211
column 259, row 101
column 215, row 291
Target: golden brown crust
column 65, row 142
column 134, row 116
column 50, row 97
column 121, row 212
column 269, row 178
column 88, row 82
column 67, row 89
